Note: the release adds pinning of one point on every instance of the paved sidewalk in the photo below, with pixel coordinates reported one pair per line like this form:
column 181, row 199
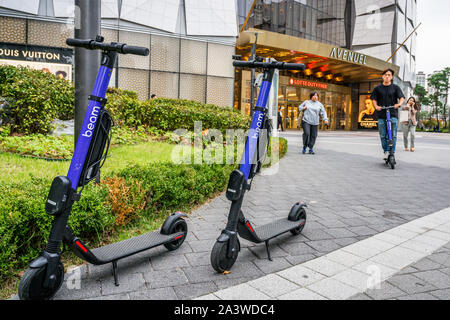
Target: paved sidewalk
column 380, row 266
column 351, row 195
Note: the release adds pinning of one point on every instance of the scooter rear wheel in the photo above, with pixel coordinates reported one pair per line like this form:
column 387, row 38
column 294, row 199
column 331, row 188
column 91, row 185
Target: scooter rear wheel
column 392, row 162
column 178, row 225
column 31, row 286
column 219, row 259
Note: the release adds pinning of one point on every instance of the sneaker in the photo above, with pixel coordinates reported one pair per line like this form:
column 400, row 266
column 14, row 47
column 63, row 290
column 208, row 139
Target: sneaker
column 304, row 150
column 406, row 149
column 412, row 149
column 386, row 155
column 311, row 151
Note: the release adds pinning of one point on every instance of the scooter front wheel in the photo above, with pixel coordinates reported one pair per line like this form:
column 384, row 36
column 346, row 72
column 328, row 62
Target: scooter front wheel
column 219, row 258
column 31, row 285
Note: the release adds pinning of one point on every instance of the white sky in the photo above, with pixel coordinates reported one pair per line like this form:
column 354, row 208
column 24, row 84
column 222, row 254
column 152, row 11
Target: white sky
column 433, row 36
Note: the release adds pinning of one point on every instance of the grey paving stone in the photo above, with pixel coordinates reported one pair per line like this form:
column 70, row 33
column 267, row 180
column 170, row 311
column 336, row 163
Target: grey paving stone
column 154, row 294
column 295, row 260
column 296, row 249
column 435, row 277
column 408, row 270
column 127, row 283
column 385, row 291
column 267, row 266
column 316, row 234
column 345, row 241
column 360, row 296
column 324, row 246
column 445, row 270
column 362, row 231
column 411, row 284
column 443, row 294
column 341, row 232
column 190, row 291
column 427, row 264
column 120, row 296
column 442, row 257
column 168, row 261
column 418, row 296
column 165, row 278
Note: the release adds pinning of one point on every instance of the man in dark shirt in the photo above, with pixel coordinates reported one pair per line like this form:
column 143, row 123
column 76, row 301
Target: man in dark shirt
column 387, row 94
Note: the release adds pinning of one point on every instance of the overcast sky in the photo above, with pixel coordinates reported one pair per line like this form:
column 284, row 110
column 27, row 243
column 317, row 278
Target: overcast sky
column 433, row 36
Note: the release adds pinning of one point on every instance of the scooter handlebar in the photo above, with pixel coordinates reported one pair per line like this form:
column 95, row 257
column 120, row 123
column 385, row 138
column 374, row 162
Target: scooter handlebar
column 269, row 65
column 113, row 46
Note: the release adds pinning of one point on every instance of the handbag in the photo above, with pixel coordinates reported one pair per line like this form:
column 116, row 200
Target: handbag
column 403, row 116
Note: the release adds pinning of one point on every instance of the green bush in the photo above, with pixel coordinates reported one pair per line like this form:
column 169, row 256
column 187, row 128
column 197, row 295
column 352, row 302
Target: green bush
column 25, row 226
column 35, row 98
column 171, row 114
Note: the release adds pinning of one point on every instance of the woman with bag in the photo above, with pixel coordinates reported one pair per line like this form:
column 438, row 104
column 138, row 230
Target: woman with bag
column 410, row 123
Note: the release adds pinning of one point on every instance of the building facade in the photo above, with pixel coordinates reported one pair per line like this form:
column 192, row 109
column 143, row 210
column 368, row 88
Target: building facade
column 345, row 45
column 191, row 42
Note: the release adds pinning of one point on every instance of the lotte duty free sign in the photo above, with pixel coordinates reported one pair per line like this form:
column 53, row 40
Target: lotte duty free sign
column 307, row 83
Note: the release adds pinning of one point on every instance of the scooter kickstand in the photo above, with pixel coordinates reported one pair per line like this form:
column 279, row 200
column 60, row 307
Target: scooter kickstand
column 116, row 278
column 268, row 251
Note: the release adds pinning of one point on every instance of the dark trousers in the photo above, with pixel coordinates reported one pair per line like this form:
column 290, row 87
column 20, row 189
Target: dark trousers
column 280, row 123
column 309, row 134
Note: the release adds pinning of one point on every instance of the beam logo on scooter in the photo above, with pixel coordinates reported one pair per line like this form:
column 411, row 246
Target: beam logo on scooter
column 259, row 125
column 92, row 120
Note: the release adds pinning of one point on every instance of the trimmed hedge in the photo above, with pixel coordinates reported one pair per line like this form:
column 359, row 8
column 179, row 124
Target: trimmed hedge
column 35, row 99
column 171, row 114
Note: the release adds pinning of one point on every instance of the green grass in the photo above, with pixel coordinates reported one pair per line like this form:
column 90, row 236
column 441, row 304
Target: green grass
column 19, row 168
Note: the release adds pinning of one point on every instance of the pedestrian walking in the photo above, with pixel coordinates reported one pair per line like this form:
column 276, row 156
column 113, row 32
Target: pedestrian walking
column 409, row 128
column 280, row 120
column 387, row 94
column 311, row 108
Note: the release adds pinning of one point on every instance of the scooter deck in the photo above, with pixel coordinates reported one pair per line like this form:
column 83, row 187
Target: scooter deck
column 128, row 247
column 276, row 228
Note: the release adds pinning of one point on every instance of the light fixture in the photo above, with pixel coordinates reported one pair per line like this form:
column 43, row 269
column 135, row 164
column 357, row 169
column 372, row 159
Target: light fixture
column 308, row 72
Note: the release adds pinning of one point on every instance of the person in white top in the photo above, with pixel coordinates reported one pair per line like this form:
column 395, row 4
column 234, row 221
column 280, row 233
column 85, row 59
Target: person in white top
column 311, row 110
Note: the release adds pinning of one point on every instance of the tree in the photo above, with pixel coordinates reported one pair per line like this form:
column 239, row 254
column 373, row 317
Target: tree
column 440, row 83
column 423, row 99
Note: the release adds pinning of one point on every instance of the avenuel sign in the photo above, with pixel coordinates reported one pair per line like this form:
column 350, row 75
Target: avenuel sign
column 347, row 55
column 307, row 83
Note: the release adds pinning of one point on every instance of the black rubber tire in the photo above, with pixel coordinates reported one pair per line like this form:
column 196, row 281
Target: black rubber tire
column 31, row 284
column 219, row 260
column 392, row 162
column 178, row 225
column 300, row 214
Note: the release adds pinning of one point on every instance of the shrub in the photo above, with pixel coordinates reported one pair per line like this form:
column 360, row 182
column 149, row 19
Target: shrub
column 171, row 114
column 35, row 98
